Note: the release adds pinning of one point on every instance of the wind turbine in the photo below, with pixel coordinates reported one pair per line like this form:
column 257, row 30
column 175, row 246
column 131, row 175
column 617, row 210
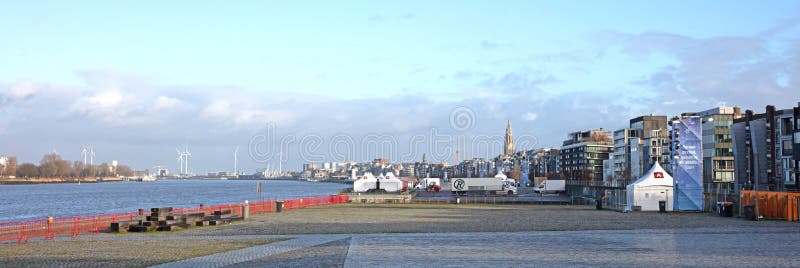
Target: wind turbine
column 91, row 155
column 180, row 161
column 235, row 160
column 187, row 155
column 84, row 153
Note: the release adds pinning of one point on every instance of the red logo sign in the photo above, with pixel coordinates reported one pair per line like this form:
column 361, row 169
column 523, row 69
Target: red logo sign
column 658, row 175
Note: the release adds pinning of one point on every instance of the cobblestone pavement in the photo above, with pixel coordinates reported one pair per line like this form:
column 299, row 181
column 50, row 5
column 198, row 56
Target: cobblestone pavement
column 331, row 254
column 254, row 253
column 695, row 247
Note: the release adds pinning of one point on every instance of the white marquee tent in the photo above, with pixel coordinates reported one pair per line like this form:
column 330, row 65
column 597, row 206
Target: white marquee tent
column 656, row 185
column 389, row 183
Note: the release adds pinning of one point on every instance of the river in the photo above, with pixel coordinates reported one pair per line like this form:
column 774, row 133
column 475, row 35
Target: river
column 37, row 201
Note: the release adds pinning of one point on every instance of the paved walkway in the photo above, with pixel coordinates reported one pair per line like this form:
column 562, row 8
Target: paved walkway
column 698, row 247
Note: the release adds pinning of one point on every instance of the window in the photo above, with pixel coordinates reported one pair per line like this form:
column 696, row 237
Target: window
column 787, row 148
column 723, row 152
column 787, row 127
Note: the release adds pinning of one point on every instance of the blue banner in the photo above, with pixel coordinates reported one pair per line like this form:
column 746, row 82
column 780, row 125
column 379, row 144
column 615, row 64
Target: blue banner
column 523, row 180
column 688, row 173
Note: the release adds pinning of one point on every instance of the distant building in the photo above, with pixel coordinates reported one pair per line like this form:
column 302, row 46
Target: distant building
column 583, row 152
column 718, row 158
column 545, row 162
column 656, row 147
column 608, row 170
column 475, row 168
column 621, row 156
column 509, row 142
column 646, row 123
column 766, row 148
column 639, row 146
column 309, row 166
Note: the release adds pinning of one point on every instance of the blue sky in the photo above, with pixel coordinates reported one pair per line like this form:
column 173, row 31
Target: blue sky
column 212, row 74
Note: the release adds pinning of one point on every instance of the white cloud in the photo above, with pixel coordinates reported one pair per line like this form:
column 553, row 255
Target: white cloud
column 166, row 103
column 217, row 110
column 530, row 116
column 24, row 90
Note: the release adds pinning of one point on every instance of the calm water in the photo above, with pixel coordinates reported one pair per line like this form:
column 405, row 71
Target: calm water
column 24, row 202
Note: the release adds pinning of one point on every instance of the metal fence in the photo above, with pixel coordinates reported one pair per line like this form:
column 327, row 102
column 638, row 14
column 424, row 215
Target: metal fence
column 615, row 199
column 719, row 192
column 74, row 226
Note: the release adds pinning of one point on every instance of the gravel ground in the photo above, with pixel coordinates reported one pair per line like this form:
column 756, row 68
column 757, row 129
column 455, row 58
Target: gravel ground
column 449, row 221
column 415, row 218
column 115, row 253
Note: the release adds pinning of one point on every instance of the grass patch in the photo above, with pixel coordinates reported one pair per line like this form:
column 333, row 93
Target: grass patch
column 116, row 253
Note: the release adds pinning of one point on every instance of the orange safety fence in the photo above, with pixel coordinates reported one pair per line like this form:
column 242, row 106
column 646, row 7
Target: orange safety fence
column 774, row 205
column 74, row 226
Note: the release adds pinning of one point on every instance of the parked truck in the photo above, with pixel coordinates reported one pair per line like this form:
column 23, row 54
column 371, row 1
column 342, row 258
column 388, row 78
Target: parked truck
column 496, row 185
column 551, row 186
column 430, row 184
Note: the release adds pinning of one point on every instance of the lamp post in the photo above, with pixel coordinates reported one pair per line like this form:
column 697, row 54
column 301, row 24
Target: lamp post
column 675, row 170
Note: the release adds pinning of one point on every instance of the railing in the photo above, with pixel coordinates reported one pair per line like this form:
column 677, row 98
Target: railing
column 775, row 205
column 74, row 226
column 596, row 183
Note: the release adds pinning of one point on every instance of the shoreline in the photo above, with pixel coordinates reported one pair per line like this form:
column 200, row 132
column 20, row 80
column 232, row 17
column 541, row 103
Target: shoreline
column 20, row 181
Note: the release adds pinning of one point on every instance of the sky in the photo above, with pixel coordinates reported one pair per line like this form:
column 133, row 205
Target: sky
column 355, row 80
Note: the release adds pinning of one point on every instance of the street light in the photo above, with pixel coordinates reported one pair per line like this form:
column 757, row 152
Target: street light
column 675, row 171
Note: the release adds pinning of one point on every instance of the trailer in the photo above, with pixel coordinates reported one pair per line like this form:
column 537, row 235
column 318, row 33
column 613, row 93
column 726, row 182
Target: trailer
column 496, row 185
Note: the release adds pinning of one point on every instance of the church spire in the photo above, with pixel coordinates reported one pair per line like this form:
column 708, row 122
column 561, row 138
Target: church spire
column 509, row 145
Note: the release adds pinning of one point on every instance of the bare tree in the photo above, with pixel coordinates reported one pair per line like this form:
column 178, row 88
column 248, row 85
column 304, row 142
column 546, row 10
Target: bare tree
column 10, row 168
column 125, row 171
column 79, row 168
column 103, row 170
column 53, row 166
column 27, row 170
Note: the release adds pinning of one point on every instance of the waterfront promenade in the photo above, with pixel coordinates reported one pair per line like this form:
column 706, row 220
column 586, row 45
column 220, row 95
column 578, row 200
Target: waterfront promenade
column 394, row 235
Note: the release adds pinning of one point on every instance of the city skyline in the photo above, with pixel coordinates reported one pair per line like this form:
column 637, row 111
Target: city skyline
column 216, row 77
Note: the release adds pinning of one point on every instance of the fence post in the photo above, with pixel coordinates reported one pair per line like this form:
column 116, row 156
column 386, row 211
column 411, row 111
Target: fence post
column 75, row 226
column 21, row 234
column 95, row 228
column 50, row 234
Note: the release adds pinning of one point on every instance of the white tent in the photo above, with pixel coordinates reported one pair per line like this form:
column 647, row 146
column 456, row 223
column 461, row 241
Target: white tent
column 367, row 182
column 390, row 183
column 364, row 183
column 656, row 185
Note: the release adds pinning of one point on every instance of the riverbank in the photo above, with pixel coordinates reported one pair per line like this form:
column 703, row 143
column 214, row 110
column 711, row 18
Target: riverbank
column 58, row 180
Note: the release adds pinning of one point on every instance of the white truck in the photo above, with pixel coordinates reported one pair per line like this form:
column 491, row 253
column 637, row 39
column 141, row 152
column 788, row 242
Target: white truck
column 429, row 183
column 551, row 186
column 462, row 186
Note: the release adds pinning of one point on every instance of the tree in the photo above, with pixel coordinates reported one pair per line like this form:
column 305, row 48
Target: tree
column 79, row 168
column 103, row 170
column 124, row 171
column 91, row 170
column 11, row 167
column 53, row 166
column 27, row 170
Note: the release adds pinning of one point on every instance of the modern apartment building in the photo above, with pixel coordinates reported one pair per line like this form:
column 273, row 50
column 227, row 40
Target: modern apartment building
column 638, row 147
column 583, row 152
column 766, row 149
column 718, row 160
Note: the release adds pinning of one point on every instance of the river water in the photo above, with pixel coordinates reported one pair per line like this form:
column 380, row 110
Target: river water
column 37, row 201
